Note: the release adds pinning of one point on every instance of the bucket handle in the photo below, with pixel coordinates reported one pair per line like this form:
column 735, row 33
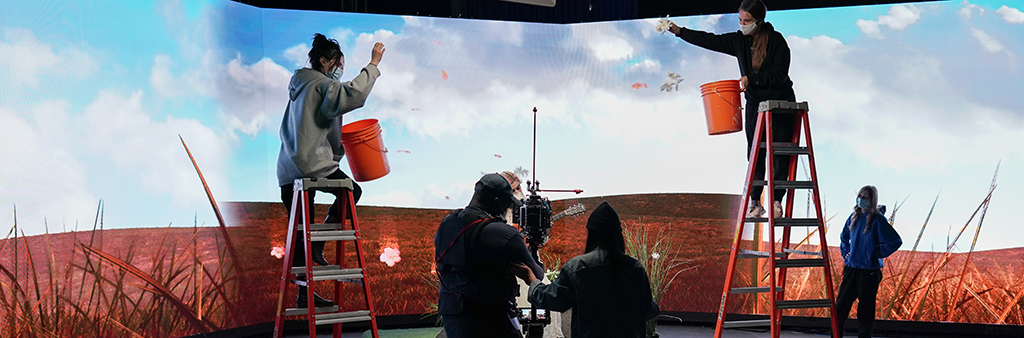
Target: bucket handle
column 726, row 101
column 363, row 140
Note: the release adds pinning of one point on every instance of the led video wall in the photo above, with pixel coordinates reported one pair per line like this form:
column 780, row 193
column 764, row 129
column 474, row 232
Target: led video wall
column 107, row 212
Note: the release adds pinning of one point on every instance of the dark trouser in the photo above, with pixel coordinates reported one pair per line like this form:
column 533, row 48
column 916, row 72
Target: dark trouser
column 858, row 284
column 299, row 254
column 782, row 131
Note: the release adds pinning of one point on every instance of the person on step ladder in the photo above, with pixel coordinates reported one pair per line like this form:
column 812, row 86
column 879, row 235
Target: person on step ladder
column 763, row 57
column 311, row 132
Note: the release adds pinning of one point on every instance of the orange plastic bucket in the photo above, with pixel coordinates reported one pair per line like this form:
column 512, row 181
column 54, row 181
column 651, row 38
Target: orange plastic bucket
column 722, row 106
column 364, row 148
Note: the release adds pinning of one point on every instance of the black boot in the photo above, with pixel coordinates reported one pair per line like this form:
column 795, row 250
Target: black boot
column 318, row 253
column 300, row 301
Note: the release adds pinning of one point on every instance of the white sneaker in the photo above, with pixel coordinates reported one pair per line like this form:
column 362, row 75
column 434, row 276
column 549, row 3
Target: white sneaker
column 755, row 210
column 777, row 208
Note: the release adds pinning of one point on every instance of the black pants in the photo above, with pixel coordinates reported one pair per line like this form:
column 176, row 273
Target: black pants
column 858, row 284
column 299, row 254
column 782, row 131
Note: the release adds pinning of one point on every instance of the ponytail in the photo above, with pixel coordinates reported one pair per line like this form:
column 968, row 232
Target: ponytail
column 323, row 48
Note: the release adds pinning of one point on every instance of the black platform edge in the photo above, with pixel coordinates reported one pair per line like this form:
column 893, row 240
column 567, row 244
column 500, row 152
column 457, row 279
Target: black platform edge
column 298, row 327
column 889, row 328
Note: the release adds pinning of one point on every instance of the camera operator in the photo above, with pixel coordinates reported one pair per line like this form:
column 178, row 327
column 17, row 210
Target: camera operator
column 475, row 249
column 608, row 291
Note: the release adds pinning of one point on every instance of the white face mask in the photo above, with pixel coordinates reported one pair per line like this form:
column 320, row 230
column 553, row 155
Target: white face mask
column 748, row 29
column 336, row 74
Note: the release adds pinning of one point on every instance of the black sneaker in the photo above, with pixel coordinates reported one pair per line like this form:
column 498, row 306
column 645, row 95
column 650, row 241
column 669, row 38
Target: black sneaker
column 318, row 253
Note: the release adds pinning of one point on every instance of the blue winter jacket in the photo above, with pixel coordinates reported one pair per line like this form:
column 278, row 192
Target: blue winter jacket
column 865, row 250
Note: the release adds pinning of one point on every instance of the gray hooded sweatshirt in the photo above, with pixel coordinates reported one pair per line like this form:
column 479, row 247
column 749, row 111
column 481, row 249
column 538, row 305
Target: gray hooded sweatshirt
column 311, row 127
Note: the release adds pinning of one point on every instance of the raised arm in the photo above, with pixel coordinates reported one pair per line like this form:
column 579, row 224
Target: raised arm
column 722, row 43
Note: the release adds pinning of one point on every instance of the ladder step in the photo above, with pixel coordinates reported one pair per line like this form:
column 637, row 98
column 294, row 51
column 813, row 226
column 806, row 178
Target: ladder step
column 751, row 289
column 325, row 226
column 787, row 184
column 801, row 252
column 803, row 304
column 330, row 272
column 746, row 323
column 333, row 235
column 303, row 311
column 744, row 253
column 787, row 148
column 322, row 183
column 786, row 222
column 781, row 106
column 343, row 317
column 799, row 263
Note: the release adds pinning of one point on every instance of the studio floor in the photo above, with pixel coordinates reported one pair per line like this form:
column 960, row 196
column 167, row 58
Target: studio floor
column 666, row 331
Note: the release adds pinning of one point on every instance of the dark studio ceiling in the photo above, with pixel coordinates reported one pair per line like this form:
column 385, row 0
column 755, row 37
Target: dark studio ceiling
column 564, row 11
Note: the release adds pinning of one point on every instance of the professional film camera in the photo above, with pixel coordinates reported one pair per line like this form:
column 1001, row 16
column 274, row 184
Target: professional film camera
column 534, row 218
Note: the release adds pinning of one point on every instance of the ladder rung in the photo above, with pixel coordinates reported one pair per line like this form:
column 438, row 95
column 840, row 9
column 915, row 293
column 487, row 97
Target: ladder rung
column 803, row 303
column 751, row 289
column 330, row 272
column 746, row 323
column 787, row 148
column 786, row 184
column 799, row 263
column 343, row 317
column 322, row 183
column 781, row 106
column 325, row 226
column 744, row 253
column 302, row 311
column 786, row 222
column 333, row 235
column 801, row 252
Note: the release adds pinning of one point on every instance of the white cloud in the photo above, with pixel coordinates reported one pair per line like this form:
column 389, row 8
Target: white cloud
column 119, row 129
column 298, row 55
column 969, row 9
column 29, row 60
column 43, row 175
column 245, row 90
column 429, row 196
column 1011, row 15
column 646, row 65
column 604, row 41
column 899, row 18
column 990, row 44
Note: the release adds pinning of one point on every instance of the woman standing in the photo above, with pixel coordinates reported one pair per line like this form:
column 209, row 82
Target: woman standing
column 763, row 56
column 867, row 238
column 311, row 131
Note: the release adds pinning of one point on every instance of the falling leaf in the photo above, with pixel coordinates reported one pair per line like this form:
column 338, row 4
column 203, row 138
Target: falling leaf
column 415, row 109
column 438, row 43
column 496, row 155
column 444, row 75
column 672, row 81
column 446, row 197
column 403, row 151
column 277, row 252
column 391, row 256
column 639, row 85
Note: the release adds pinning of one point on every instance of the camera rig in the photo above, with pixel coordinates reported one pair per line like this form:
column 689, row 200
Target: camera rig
column 534, row 218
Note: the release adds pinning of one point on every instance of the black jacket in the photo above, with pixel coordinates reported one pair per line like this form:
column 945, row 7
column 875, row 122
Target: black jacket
column 772, row 81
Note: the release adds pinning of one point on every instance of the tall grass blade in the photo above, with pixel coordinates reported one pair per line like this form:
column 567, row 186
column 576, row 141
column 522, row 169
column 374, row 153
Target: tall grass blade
column 160, row 288
column 974, row 243
column 220, row 219
column 910, row 260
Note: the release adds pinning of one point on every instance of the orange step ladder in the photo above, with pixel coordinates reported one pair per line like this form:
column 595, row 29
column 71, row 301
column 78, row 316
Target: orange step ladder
column 779, row 259
column 337, row 273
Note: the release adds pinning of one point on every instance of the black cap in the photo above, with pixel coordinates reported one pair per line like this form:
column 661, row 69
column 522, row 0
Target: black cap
column 604, row 219
column 496, row 185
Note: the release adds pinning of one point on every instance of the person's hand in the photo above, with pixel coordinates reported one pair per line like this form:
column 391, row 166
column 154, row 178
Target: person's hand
column 743, row 84
column 524, row 272
column 377, row 53
column 673, row 28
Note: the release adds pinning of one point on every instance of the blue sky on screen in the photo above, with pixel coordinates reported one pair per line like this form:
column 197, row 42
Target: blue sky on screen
column 912, row 98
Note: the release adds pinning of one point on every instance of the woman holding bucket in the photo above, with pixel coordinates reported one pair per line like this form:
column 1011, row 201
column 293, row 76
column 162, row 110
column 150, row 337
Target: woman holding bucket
column 763, row 56
column 311, row 130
